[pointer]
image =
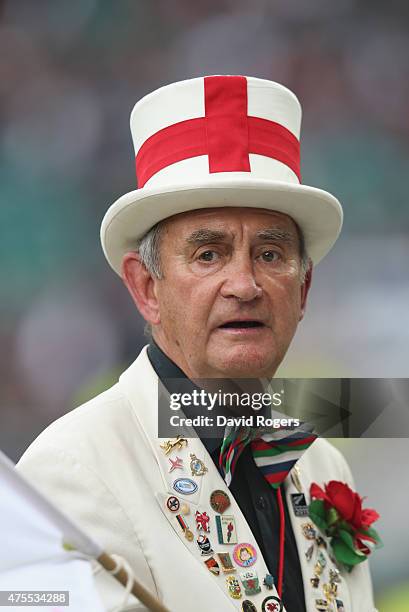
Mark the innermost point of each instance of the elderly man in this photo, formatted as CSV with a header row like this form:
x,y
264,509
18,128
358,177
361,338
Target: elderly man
x,y
216,248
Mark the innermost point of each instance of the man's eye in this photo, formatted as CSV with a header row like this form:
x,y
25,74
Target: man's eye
x,y
270,256
208,256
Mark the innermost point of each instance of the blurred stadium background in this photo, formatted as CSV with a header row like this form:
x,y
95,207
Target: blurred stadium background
x,y
70,73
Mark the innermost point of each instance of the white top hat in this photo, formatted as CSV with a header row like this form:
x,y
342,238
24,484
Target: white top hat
x,y
218,141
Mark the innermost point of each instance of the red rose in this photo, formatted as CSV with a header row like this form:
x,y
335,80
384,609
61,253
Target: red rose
x,y
347,503
369,516
337,511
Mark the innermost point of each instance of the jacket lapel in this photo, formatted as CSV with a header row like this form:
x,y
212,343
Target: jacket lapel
x,y
308,550
146,395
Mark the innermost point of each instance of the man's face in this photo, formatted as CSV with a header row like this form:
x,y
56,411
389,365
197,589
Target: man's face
x,y
231,295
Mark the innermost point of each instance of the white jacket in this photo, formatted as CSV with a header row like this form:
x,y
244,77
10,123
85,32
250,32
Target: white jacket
x,y
103,465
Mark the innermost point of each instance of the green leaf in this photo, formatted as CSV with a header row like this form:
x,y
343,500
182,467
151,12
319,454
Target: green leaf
x,y
344,554
346,537
317,513
332,516
372,533
346,527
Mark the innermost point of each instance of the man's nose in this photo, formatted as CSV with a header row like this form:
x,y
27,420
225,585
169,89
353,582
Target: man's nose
x,y
240,282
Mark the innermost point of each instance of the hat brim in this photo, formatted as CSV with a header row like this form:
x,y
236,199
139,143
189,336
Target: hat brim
x,y
317,212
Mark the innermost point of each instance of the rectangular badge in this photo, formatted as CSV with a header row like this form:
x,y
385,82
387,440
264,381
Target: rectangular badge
x,y
299,504
226,530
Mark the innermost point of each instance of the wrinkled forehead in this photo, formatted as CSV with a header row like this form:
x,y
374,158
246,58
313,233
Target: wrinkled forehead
x,y
230,220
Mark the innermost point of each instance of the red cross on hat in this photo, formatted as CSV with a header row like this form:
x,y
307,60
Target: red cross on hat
x,y
218,141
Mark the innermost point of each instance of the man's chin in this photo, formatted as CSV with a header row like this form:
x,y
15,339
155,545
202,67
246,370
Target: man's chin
x,y
245,361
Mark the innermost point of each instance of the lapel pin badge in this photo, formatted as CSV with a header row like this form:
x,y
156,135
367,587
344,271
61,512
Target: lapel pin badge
x,y
321,542
318,569
309,531
204,545
226,562
173,444
330,590
308,552
226,529
269,582
248,606
233,587
299,504
188,534
202,521
245,555
334,575
185,509
176,464
212,566
186,486
272,604
295,478
250,582
321,605
197,467
321,560
219,501
173,504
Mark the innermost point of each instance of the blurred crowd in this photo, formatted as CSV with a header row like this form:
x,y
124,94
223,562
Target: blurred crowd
x,y
70,73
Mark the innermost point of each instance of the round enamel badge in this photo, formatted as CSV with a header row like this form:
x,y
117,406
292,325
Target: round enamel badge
x,y
219,501
244,555
271,604
172,503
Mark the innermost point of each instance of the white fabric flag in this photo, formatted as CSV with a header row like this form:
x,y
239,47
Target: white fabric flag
x,y
33,557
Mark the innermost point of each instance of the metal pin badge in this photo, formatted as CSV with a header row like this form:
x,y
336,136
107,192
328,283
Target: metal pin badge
x,y
272,604
173,504
219,501
269,582
176,464
233,587
295,478
197,467
204,545
174,443
188,534
250,582
226,562
212,566
308,552
202,521
309,531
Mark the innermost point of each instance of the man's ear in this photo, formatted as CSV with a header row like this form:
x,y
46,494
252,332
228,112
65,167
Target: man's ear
x,y
141,285
305,287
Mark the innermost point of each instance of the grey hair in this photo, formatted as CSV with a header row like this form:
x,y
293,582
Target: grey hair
x,y
148,248
306,261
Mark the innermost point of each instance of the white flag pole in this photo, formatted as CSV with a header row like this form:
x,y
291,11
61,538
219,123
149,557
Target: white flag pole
x,y
74,536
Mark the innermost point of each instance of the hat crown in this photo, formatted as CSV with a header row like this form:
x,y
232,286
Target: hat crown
x,y
215,125
218,141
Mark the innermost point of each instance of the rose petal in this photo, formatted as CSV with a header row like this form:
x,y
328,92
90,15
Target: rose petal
x,y
317,493
362,547
356,518
342,498
369,516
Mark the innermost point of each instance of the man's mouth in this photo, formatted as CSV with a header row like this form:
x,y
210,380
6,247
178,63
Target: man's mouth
x,y
241,325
